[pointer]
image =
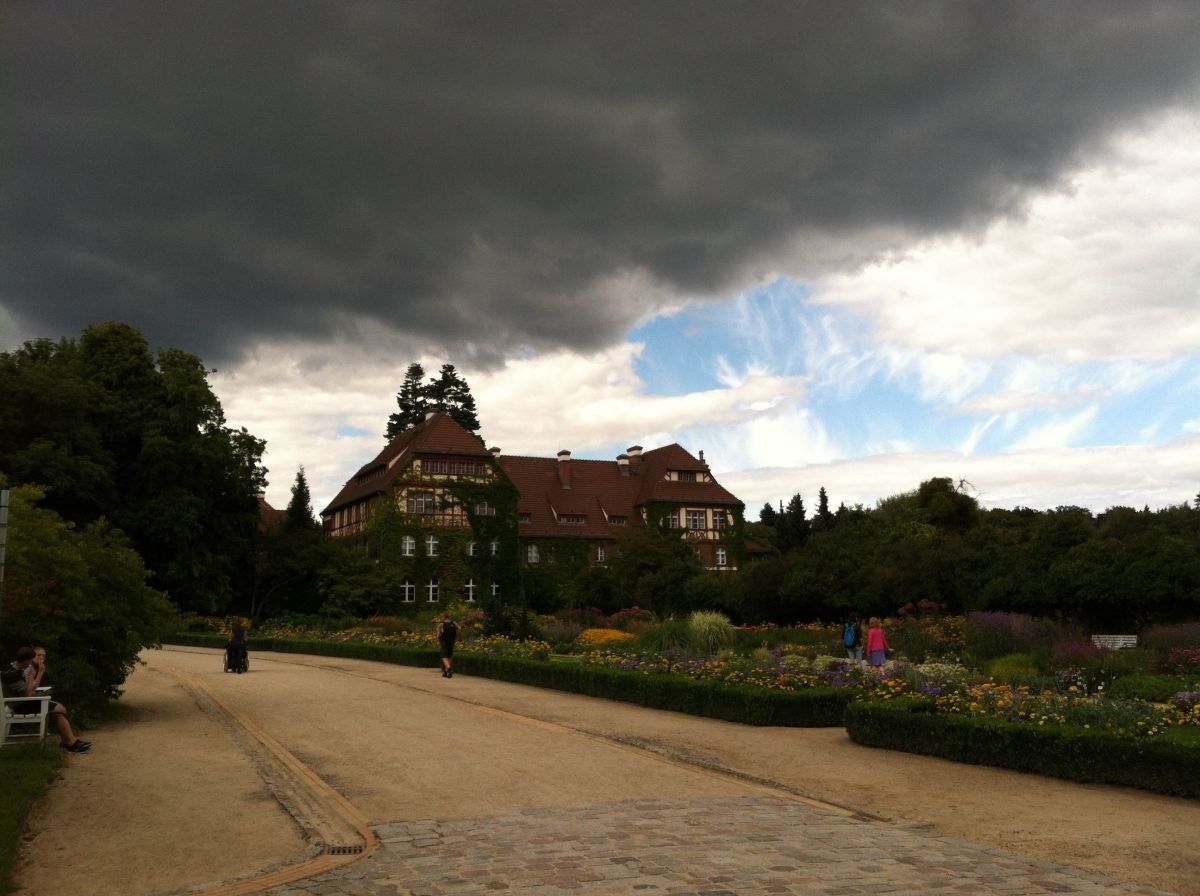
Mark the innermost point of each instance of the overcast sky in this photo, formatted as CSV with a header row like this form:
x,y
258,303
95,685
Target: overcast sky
x,y
830,244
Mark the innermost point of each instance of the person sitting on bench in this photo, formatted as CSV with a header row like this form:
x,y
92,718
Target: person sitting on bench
x,y
17,684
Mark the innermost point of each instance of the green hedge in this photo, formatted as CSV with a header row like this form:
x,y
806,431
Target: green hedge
x,y
810,708
1163,765
1155,688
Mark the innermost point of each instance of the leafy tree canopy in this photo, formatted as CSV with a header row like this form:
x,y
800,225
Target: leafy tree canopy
x,y
114,431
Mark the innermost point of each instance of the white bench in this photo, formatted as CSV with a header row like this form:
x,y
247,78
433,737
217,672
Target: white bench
x,y
1115,642
25,719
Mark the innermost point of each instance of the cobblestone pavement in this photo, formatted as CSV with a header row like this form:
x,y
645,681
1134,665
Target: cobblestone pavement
x,y
716,846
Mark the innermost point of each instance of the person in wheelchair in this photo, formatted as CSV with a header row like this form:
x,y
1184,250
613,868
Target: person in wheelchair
x,y
237,658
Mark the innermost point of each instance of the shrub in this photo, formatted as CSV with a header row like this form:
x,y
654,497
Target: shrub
x,y
1013,667
1155,688
1167,764
710,631
1179,661
631,619
925,638
562,633
990,636
1164,637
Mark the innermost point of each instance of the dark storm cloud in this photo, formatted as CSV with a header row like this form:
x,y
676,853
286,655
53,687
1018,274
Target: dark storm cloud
x,y
523,174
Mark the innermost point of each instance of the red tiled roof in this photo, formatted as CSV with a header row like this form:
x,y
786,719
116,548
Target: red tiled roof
x,y
436,434
598,487
269,519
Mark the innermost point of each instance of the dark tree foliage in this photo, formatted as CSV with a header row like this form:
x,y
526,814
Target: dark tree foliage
x,y
300,516
115,432
824,519
792,526
1117,572
448,393
80,592
767,515
412,401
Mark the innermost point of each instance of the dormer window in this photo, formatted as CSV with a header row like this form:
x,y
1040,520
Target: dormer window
x,y
524,518
618,521
686,475
572,520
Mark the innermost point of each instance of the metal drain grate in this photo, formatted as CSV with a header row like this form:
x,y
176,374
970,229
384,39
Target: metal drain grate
x,y
343,850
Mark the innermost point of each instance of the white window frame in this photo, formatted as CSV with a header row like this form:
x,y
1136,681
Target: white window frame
x,y
422,502
495,547
431,590
408,592
722,558
472,549
469,591
693,516
431,545
600,553
719,519
532,554
495,589
408,546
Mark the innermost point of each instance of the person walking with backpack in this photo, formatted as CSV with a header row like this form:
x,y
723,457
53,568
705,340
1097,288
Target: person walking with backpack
x,y
877,645
852,640
447,635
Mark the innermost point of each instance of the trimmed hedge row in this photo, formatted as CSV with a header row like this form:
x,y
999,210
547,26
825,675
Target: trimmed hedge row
x,y
813,708
910,724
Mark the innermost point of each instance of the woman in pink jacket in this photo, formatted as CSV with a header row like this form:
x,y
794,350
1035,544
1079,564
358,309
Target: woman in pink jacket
x,y
877,645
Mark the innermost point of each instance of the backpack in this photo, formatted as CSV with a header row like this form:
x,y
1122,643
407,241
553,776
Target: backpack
x,y
449,631
850,634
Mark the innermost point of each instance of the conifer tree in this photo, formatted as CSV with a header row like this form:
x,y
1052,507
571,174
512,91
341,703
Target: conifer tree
x,y
767,514
450,394
412,401
300,516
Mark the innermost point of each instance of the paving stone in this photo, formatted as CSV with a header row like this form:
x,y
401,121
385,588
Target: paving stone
x,y
743,846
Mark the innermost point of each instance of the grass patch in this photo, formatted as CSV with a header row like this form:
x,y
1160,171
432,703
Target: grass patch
x,y
26,771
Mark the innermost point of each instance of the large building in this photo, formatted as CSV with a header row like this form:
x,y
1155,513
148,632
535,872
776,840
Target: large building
x,y
463,518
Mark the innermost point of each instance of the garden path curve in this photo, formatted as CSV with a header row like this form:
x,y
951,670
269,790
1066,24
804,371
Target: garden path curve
x,y
332,776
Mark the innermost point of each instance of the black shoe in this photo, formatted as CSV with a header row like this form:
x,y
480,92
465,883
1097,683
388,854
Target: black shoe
x,y
80,746
449,673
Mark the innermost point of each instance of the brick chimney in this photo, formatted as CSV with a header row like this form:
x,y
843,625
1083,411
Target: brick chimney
x,y
495,452
623,464
635,457
564,468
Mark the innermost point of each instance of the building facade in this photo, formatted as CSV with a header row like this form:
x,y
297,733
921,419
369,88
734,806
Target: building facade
x,y
455,519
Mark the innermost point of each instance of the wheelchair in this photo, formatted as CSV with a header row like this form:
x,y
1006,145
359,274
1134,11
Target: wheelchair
x,y
237,658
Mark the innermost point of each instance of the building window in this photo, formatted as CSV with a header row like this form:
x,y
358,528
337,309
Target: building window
x,y
420,502
472,549
469,590
431,545
696,551
572,520
672,520
532,554
432,591
408,592
408,546
495,547
721,558
600,553
618,520
495,589
697,519
524,518
718,519
483,508
687,475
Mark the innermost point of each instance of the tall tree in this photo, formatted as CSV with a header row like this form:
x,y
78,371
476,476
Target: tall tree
x,y
412,401
450,394
824,518
300,516
767,514
141,440
793,526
